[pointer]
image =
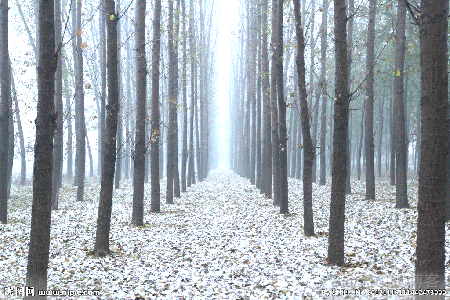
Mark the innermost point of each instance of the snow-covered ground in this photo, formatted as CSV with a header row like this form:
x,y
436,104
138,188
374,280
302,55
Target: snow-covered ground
x,y
221,240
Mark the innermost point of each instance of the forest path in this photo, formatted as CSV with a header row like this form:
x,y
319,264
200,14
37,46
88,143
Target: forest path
x,y
221,240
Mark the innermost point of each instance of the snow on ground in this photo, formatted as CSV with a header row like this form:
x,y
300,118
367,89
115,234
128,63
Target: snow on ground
x,y
221,240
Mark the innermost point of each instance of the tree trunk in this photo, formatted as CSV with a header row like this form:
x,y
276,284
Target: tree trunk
x,y
191,168
267,128
23,160
155,130
101,247
369,144
80,123
401,198
308,219
430,263
323,89
380,138
38,252
5,76
120,144
137,218
185,108
102,119
339,170
58,139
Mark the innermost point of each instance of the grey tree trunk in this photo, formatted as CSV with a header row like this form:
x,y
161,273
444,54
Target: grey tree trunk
x,y
137,218
401,198
430,249
101,247
38,252
339,169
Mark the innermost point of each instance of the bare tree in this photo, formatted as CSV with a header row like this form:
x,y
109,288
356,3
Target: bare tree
x,y
401,199
38,253
141,89
155,130
101,247
433,171
4,110
339,170
307,141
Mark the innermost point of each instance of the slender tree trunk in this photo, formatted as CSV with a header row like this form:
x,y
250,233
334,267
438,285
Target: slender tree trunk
x,y
323,89
185,108
308,219
361,131
137,218
401,198
4,110
155,129
392,160
80,123
369,144
38,252
284,207
191,168
101,247
58,139
351,11
23,160
258,99
267,132
102,119
120,144
380,138
274,109
339,170
430,249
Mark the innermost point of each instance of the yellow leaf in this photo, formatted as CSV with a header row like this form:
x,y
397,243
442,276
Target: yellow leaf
x,y
111,17
83,45
80,31
398,73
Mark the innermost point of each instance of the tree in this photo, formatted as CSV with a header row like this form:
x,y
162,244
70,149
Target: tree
x,y
185,108
369,144
58,139
38,253
101,247
307,141
283,183
430,263
339,168
155,130
4,110
323,89
267,128
141,89
191,164
401,199
80,123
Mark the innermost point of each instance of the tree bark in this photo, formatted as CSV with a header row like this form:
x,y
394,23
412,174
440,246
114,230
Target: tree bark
x,y
267,127
58,139
80,123
430,263
339,169
5,77
155,130
308,219
369,144
101,247
137,218
323,89
401,198
38,253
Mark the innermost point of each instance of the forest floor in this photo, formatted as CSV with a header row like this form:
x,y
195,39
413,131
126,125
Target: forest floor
x,y
221,240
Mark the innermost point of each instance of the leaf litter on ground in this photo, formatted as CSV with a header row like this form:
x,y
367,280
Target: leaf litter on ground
x,y
221,240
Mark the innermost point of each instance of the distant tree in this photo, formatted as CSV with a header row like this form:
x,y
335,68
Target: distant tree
x,y
191,165
101,247
120,143
38,252
23,161
155,128
339,170
80,123
141,89
430,263
369,144
185,107
307,141
58,139
323,92
102,118
401,198
4,110
267,128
